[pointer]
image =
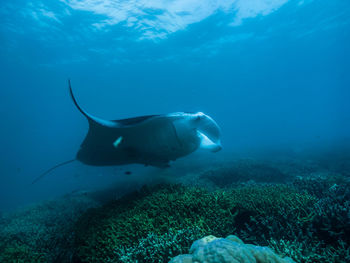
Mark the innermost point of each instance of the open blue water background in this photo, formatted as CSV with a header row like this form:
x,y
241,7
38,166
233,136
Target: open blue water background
x,y
273,74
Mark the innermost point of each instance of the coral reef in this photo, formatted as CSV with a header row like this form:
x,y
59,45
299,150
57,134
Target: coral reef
x,y
158,248
243,171
151,210
127,222
43,232
322,236
304,216
226,250
21,253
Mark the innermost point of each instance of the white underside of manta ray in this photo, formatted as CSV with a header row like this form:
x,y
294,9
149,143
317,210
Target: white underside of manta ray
x,y
153,140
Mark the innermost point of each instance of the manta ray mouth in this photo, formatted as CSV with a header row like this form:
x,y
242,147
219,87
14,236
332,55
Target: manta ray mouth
x,y
209,133
208,144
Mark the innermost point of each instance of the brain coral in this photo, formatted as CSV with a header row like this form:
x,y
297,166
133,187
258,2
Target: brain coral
x,y
228,250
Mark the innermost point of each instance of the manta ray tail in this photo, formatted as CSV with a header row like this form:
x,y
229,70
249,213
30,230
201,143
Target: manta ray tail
x,y
51,169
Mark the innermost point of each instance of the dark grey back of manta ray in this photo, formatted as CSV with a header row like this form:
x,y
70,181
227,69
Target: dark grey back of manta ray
x,y
149,140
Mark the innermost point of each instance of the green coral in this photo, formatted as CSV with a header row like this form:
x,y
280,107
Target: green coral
x,y
270,200
323,236
42,232
229,174
155,210
312,251
307,219
158,248
152,210
16,252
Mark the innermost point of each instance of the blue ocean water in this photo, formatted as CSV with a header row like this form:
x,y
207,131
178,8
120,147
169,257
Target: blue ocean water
x,y
273,74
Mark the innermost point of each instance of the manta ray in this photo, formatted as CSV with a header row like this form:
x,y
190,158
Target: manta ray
x,y
152,140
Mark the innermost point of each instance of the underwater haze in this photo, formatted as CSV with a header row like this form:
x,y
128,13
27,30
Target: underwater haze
x,y
273,74
230,140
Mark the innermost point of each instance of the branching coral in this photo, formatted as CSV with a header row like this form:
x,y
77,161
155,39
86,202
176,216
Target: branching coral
x,y
323,236
159,248
307,220
42,232
153,211
243,171
20,253
311,251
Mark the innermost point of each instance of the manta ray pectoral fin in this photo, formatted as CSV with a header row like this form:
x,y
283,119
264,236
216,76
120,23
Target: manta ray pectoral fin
x,y
91,118
117,141
206,143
